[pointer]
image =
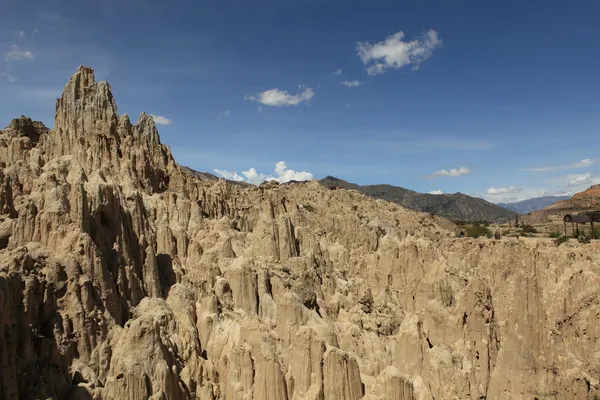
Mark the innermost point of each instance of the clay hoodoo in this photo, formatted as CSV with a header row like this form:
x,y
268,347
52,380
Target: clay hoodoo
x,y
126,276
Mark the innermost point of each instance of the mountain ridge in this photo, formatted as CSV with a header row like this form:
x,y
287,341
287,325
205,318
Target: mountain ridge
x,y
457,206
533,204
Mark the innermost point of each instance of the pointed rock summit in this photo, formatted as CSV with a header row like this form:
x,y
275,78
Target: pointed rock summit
x,y
126,276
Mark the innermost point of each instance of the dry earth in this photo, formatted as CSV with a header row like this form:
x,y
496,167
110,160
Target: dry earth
x,y
125,276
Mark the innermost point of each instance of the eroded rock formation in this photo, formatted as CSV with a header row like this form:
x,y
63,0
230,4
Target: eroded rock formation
x,y
126,276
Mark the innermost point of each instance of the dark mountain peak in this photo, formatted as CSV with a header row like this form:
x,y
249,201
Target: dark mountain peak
x,y
457,206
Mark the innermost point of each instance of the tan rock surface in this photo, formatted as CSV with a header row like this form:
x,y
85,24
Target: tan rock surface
x,y
126,276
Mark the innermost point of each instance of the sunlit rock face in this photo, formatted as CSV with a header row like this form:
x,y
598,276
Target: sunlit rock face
x,y
126,276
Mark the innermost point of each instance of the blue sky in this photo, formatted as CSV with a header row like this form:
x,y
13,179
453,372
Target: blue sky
x,y
500,100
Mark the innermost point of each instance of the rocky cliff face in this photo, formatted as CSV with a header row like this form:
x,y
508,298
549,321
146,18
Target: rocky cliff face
x,y
125,276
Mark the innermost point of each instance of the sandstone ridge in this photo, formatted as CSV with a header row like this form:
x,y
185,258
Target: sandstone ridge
x,y
126,276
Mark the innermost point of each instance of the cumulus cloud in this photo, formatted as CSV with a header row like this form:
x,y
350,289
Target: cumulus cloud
x,y
574,180
160,120
351,83
281,98
8,77
285,175
281,174
492,191
395,53
565,185
20,34
436,192
337,72
232,176
18,54
587,162
453,172
223,114
255,178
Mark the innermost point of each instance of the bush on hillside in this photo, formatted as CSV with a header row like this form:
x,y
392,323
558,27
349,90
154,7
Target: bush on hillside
x,y
560,240
528,229
555,235
477,230
584,239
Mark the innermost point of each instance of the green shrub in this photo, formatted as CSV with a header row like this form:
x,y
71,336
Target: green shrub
x,y
477,230
555,235
584,239
489,235
558,241
528,229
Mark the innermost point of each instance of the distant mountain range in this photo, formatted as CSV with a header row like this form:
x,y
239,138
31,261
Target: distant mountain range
x,y
457,206
534,204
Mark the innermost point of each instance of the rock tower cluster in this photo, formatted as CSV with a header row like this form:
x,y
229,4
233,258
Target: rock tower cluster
x,y
125,276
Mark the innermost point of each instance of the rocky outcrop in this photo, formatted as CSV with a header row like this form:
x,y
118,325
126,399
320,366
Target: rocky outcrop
x,y
126,276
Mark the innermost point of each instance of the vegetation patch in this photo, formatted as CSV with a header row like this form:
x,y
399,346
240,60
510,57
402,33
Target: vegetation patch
x,y
584,239
477,230
528,229
562,239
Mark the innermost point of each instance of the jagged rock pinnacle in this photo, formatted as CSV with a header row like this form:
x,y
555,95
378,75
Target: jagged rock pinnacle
x,y
123,276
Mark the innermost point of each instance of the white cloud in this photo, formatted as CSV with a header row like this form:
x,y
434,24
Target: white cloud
x,y
351,83
588,162
8,77
394,53
574,180
223,114
583,163
281,174
281,98
285,175
256,178
18,54
436,192
453,172
566,185
337,72
160,120
232,176
512,194
20,34
492,191
348,105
